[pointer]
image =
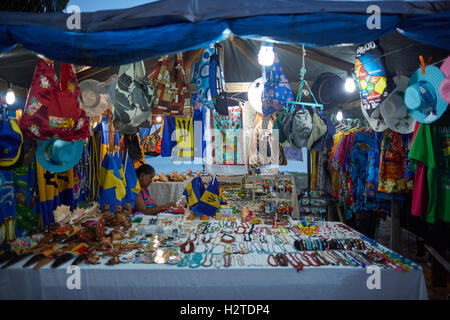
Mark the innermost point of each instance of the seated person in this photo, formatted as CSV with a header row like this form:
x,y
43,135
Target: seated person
x,y
144,203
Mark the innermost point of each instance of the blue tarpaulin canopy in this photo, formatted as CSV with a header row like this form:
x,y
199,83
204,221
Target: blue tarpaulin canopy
x,y
114,37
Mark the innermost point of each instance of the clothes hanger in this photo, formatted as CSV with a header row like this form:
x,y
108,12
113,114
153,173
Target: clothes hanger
x,y
298,100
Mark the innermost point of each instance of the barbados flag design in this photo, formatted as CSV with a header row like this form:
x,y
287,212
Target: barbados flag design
x,y
54,189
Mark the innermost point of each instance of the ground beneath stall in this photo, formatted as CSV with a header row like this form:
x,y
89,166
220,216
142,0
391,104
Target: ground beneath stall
x,y
409,250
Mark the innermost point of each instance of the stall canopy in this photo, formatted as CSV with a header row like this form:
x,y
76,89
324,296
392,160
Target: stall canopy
x,y
114,37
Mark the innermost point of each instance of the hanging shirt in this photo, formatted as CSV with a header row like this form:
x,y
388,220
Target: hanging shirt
x,y
431,146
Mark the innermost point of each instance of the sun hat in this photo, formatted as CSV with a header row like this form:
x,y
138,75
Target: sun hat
x,y
445,85
11,140
394,111
58,155
376,120
422,96
319,128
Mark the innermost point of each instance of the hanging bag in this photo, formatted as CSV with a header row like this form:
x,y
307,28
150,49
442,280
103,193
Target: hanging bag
x,y
216,82
200,76
152,143
173,97
52,109
277,91
133,99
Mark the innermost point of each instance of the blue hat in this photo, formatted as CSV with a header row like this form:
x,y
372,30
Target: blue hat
x,y
11,140
59,155
422,96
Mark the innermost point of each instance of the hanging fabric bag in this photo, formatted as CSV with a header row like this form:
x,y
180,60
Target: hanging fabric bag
x,y
52,109
133,99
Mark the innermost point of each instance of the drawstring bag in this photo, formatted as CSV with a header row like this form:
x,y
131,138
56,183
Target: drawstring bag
x,y
277,92
173,97
200,76
217,83
152,143
133,99
52,109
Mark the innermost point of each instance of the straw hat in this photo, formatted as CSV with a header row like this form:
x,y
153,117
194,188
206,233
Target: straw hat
x,y
394,111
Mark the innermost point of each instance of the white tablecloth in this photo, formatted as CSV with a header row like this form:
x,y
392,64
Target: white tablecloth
x,y
164,192
139,281
153,281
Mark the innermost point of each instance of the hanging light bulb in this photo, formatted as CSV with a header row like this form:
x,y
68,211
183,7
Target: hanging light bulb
x,y
350,83
158,119
10,95
255,94
266,56
339,116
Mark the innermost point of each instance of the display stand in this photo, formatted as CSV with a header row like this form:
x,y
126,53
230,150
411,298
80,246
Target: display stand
x,y
277,178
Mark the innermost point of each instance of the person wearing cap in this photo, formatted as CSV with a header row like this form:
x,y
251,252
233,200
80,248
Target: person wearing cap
x,y
144,203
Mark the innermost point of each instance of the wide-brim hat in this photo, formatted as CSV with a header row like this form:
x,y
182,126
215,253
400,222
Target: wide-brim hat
x,y
394,111
11,140
423,98
445,85
375,120
95,98
59,155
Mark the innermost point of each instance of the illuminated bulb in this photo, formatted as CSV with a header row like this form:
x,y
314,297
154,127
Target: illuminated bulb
x,y
10,96
255,94
159,258
350,84
339,116
158,119
266,56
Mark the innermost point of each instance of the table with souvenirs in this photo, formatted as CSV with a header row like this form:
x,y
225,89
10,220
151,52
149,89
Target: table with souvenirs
x,y
251,249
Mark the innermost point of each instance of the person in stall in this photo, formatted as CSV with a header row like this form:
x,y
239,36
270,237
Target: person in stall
x,y
144,203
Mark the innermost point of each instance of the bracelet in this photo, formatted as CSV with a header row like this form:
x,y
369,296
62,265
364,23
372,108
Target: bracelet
x,y
282,261
294,262
189,243
232,239
206,241
183,262
274,259
227,260
196,260
217,261
204,264
238,228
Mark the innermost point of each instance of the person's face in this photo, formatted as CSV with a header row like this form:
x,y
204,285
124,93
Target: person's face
x,y
145,180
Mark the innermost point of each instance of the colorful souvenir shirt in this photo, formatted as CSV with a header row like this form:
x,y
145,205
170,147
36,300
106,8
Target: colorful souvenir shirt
x,y
431,146
392,171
